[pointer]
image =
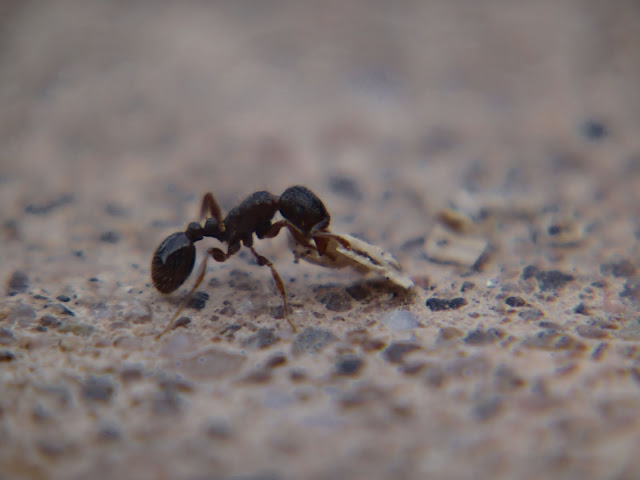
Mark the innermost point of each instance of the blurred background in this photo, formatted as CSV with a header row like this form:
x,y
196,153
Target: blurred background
x,y
110,98
117,116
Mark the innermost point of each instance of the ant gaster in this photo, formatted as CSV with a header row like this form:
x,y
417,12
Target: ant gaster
x,y
304,215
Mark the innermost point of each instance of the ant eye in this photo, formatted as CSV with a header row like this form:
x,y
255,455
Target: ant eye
x,y
172,262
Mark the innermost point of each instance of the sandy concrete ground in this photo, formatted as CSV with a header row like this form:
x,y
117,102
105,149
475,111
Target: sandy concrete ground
x,y
518,119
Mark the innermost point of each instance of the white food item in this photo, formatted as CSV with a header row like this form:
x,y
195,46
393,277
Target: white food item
x,y
348,251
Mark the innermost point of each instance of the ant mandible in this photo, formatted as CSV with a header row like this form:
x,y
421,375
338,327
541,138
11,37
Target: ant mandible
x,y
304,215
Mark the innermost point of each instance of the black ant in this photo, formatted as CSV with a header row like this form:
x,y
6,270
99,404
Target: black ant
x,y
304,215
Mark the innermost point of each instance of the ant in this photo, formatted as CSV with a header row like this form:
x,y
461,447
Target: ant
x,y
304,215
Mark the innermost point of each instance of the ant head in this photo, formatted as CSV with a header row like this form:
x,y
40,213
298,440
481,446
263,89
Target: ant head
x,y
304,209
173,261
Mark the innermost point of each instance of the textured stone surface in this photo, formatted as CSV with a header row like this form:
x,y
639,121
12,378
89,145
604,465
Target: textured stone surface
x,y
115,119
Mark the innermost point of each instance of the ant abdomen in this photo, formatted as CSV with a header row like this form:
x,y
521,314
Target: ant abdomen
x,y
172,262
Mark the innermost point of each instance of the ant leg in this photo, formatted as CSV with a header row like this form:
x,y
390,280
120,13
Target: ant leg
x,y
275,230
210,205
264,261
201,272
321,242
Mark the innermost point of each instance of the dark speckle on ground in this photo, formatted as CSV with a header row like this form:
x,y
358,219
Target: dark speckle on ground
x,y
110,236
483,337
22,314
346,187
553,280
278,359
18,283
334,301
98,389
7,356
487,408
312,340
581,309
531,314
198,300
618,268
632,289
6,336
263,338
528,272
594,130
48,207
439,304
348,365
449,333
49,321
358,292
467,286
506,379
515,302
396,352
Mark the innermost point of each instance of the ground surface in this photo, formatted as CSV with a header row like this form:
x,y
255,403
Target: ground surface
x,y
117,116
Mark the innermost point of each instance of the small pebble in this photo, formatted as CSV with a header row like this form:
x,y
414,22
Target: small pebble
x,y
529,271
345,186
218,428
336,301
64,310
116,210
439,304
18,283
550,326
348,365
588,331
399,320
263,338
77,328
198,300
619,268
276,360
22,314
98,389
448,333
138,312
395,352
110,236
486,409
553,280
467,286
63,298
631,289
358,292
507,379
483,337
46,208
312,340
6,336
515,302
531,314
7,356
109,432
49,321
181,322
594,130
581,309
